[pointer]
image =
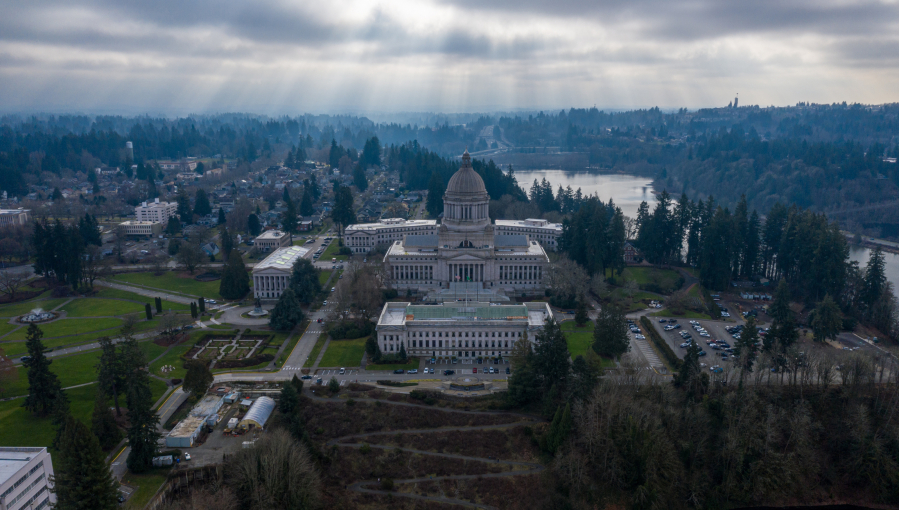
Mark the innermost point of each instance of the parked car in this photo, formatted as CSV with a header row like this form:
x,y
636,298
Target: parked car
x,y
399,371
508,371
413,371
342,371
449,372
306,377
474,370
662,321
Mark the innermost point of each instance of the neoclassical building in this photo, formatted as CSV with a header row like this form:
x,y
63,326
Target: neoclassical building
x,y
272,276
467,247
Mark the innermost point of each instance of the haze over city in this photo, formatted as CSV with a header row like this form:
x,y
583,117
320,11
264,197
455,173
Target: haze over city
x,y
274,57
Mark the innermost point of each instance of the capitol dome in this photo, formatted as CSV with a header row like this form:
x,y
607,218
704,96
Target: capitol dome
x,y
466,181
466,203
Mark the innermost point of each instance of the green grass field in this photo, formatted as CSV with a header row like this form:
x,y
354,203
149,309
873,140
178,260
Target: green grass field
x,y
173,282
93,307
106,292
331,252
6,327
665,281
71,371
66,327
18,427
578,339
344,353
316,349
147,484
173,358
323,276
17,309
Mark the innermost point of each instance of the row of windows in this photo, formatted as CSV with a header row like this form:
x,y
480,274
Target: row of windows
x,y
480,334
26,490
439,343
21,480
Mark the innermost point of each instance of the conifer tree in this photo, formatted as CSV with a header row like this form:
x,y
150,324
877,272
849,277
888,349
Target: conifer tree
x,y
253,225
82,478
109,372
235,282
580,314
201,305
287,313
289,220
103,423
43,385
201,204
143,437
148,311
198,378
306,208
158,304
610,332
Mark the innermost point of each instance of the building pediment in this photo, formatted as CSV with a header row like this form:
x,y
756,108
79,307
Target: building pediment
x,y
465,258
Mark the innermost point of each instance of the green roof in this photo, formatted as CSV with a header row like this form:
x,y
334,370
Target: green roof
x,y
481,312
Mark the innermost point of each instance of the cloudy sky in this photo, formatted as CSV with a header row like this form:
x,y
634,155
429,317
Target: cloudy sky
x,y
271,56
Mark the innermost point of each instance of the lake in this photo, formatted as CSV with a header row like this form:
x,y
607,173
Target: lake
x,y
626,190
891,260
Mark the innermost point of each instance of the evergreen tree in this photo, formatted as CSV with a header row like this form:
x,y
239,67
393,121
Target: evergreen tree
x,y
289,402
746,347
184,211
403,356
306,208
43,385
110,375
584,377
827,321
875,278
343,212
148,311
289,220
235,281
201,305
143,436
193,310
287,313
253,225
82,479
783,332
335,154
173,227
436,190
610,332
689,369
103,423
359,179
201,203
227,242
222,219
158,304
304,280
198,378
580,314
551,356
373,349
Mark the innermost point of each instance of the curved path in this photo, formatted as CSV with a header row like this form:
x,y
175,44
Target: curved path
x,y
363,486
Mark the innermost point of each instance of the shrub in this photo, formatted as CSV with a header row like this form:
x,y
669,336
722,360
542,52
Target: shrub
x,y
365,449
176,382
396,384
387,484
351,329
663,347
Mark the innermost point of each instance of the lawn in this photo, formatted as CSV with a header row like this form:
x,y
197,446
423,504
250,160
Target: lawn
x,y
93,307
71,371
316,349
663,281
173,358
106,292
17,309
412,363
578,339
323,275
331,252
344,353
151,350
67,327
147,484
173,282
6,327
18,427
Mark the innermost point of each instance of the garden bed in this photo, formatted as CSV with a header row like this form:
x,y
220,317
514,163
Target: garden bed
x,y
243,363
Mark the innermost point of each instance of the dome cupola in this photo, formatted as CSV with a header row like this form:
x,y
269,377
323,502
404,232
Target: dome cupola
x,y
466,202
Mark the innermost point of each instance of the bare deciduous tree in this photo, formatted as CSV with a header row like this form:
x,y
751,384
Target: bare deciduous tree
x,y
11,282
275,473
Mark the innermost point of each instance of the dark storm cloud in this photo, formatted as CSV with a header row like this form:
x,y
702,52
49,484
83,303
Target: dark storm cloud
x,y
700,19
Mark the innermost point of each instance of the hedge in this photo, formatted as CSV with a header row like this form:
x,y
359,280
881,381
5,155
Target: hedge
x,y
396,383
660,342
714,309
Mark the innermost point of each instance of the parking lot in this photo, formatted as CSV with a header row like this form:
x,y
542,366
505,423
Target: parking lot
x,y
715,330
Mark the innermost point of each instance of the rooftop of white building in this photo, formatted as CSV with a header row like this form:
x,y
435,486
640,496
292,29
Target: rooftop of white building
x,y
271,234
398,314
530,222
391,222
13,458
282,258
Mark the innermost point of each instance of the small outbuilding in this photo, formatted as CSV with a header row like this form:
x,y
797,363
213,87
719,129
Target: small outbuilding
x,y
258,414
185,434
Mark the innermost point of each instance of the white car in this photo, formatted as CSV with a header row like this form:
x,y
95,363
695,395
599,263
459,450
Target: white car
x,y
413,371
640,337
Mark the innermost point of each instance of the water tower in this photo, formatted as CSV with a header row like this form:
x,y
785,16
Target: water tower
x,y
129,151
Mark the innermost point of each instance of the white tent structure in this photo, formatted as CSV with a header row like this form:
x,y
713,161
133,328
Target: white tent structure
x,y
258,414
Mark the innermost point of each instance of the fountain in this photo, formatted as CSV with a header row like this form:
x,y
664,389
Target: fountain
x,y
258,311
37,315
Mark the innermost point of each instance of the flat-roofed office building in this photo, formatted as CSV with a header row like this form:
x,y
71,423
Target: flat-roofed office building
x,y
25,475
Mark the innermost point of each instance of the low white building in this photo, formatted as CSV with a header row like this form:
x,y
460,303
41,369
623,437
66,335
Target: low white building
x,y
156,211
14,216
461,330
363,237
272,240
25,475
142,228
272,275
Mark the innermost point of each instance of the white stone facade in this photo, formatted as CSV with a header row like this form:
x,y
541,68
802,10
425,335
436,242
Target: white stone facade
x,y
25,478
272,276
158,212
363,237
460,330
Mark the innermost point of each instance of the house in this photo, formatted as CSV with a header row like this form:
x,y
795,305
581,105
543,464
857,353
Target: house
x,y
631,254
211,249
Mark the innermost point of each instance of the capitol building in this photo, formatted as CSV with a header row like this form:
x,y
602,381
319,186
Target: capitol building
x,y
466,248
